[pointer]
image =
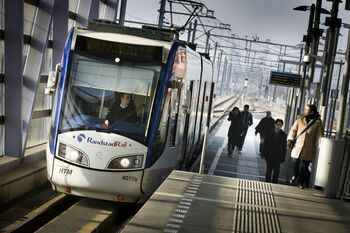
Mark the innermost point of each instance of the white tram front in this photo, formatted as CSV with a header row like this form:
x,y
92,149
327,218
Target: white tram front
x,y
171,90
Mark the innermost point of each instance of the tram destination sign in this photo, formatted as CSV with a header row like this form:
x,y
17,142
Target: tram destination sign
x,y
285,79
130,52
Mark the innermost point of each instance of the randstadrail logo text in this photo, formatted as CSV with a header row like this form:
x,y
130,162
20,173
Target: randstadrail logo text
x,y
81,137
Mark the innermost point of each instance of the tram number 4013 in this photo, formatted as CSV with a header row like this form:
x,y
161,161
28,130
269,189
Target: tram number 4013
x,y
129,178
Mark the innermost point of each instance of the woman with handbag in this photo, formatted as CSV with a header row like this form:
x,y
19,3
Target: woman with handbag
x,y
303,140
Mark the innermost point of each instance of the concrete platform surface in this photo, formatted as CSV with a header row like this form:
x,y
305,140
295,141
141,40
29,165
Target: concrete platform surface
x,y
189,202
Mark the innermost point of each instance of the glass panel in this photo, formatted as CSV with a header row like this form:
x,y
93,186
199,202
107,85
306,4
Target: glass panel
x,y
2,127
2,139
39,128
2,98
47,60
96,87
73,5
317,75
2,12
2,62
42,101
337,76
29,17
51,32
38,131
101,9
25,53
121,78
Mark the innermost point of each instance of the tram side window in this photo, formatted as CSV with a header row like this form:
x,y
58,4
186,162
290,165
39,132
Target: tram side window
x,y
162,130
179,73
174,116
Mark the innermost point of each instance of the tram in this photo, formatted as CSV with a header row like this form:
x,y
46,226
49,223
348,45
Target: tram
x,y
170,87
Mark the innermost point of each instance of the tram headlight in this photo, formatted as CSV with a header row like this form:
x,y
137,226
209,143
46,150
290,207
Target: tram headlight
x,y
72,154
126,162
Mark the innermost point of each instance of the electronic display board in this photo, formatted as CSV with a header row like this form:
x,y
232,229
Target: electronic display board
x,y
285,79
126,52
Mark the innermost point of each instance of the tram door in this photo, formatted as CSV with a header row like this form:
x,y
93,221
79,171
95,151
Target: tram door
x,y
175,125
187,113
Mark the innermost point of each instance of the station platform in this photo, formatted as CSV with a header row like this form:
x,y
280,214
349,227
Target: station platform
x,y
231,196
189,202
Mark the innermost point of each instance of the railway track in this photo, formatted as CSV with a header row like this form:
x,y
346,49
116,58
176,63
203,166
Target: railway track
x,y
222,106
41,215
65,213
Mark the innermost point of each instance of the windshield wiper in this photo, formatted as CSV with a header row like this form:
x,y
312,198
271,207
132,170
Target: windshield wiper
x,y
79,128
108,129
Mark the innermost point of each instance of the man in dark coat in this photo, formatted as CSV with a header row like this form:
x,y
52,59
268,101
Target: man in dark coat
x,y
235,131
266,125
122,110
274,151
247,120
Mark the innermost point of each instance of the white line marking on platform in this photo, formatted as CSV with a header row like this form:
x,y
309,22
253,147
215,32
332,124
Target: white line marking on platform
x,y
216,159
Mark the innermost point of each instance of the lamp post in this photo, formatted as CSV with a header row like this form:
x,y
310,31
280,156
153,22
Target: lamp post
x,y
311,46
316,34
161,13
307,39
332,39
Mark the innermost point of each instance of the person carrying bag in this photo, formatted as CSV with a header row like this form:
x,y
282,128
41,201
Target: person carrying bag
x,y
303,140
291,142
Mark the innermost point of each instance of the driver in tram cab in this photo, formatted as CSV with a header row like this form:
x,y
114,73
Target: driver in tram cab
x,y
121,110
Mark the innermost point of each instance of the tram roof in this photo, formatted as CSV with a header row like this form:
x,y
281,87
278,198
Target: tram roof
x,y
116,33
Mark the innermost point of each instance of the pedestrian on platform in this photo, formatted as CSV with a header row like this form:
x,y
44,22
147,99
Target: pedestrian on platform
x,y
265,126
274,150
247,120
235,131
303,140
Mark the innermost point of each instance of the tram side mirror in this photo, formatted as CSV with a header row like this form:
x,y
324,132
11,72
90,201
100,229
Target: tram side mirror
x,y
52,80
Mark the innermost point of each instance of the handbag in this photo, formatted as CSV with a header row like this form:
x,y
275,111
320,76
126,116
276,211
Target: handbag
x,y
294,140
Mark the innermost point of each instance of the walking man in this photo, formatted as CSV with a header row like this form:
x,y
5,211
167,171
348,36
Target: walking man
x,y
274,151
247,120
265,126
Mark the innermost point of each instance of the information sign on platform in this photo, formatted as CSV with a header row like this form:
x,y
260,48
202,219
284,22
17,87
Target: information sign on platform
x,y
285,79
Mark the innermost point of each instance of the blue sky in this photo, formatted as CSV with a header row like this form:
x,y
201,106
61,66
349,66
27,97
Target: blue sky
x,y
268,19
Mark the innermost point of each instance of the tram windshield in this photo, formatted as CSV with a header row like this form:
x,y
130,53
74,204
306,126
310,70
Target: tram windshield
x,y
95,90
